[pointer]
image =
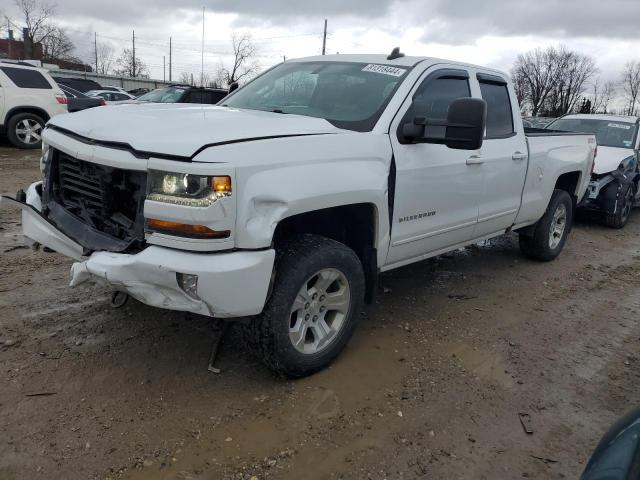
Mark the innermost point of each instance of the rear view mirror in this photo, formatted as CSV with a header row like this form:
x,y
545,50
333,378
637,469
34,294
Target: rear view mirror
x,y
466,123
234,86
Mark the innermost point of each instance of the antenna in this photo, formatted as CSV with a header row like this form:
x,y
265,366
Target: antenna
x,y
395,53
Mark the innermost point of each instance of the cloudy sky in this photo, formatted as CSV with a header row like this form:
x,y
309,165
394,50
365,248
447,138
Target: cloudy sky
x,y
491,32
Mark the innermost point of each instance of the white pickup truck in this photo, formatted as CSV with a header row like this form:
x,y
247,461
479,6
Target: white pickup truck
x,y
284,204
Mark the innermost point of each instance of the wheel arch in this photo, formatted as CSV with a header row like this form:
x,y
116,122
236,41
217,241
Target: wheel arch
x,y
355,225
26,109
569,182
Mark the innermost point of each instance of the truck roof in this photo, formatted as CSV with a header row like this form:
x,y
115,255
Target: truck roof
x,y
406,61
605,116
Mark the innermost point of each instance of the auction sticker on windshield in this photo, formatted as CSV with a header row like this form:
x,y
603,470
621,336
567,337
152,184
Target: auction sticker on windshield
x,y
385,70
618,125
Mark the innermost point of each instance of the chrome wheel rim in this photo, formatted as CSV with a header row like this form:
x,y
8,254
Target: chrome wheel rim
x,y
29,131
628,204
558,226
319,311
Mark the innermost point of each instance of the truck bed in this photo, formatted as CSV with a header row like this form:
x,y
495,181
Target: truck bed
x,y
557,152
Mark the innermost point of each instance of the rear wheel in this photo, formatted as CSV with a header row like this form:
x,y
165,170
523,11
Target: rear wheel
x,y
624,205
24,130
313,308
551,231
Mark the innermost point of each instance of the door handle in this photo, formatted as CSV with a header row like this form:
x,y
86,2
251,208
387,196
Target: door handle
x,y
475,160
518,156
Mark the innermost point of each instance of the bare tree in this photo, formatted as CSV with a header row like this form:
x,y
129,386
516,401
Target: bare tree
x,y
536,72
572,72
631,85
602,94
4,20
105,57
57,45
244,62
186,78
126,66
37,16
551,81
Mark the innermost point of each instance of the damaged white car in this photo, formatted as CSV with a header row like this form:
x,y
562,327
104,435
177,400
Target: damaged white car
x,y
613,189
284,204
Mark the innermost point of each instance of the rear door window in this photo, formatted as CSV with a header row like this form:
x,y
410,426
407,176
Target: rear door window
x,y
499,114
25,78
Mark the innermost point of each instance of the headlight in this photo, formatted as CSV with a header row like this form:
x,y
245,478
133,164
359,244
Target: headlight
x,y
187,189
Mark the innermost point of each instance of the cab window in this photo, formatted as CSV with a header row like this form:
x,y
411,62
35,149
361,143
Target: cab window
x,y
499,114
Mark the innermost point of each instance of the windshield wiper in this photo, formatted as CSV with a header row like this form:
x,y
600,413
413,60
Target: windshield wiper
x,y
277,110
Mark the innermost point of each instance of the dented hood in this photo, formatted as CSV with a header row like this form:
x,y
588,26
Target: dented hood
x,y
609,158
182,129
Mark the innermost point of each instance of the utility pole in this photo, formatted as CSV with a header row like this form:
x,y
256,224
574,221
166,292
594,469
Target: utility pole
x,y
133,37
95,48
324,38
164,69
9,37
169,59
202,53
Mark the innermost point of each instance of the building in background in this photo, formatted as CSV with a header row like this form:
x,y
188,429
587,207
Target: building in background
x,y
13,49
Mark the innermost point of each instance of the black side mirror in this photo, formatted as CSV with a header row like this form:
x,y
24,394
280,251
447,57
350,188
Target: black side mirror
x,y
464,127
466,123
234,86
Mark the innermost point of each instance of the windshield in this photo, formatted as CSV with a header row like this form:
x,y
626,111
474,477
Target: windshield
x,y
608,133
163,95
349,95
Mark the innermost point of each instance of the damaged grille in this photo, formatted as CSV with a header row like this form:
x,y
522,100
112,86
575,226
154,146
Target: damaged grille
x,y
109,201
78,186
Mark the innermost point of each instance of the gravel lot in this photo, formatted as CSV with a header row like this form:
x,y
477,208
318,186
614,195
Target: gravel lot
x,y
431,386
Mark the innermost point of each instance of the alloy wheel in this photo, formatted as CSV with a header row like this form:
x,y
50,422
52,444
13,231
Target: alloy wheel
x,y
319,311
558,226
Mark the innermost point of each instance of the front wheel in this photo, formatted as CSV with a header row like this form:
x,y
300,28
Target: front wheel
x,y
551,232
624,204
313,308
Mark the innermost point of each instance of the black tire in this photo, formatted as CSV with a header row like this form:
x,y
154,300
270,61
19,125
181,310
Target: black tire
x,y
15,123
624,203
538,246
297,262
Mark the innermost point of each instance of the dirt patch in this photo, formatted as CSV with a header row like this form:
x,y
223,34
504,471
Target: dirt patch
x,y
431,386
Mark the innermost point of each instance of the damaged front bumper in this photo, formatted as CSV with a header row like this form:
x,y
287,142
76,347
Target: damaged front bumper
x,y
599,197
228,284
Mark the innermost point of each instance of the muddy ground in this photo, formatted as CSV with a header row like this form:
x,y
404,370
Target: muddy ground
x,y
431,386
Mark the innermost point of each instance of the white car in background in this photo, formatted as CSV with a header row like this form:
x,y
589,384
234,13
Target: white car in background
x,y
613,189
111,97
29,97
